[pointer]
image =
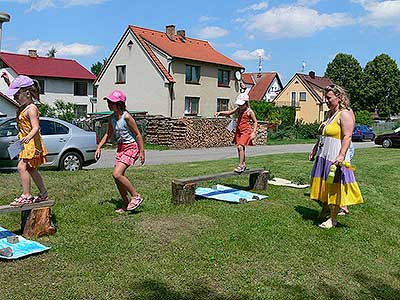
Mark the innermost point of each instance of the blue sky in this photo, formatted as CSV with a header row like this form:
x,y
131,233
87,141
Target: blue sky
x,y
284,33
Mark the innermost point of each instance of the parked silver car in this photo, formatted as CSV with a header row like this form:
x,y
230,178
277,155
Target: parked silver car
x,y
70,148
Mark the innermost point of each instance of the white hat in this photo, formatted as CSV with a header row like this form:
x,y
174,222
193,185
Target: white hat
x,y
242,98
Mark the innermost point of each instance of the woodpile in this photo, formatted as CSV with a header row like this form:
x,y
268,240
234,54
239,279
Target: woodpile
x,y
194,132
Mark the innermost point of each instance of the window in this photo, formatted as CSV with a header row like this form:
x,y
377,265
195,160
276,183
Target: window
x,y
121,74
41,84
191,105
192,74
80,110
223,78
80,88
50,128
9,128
222,104
293,102
303,96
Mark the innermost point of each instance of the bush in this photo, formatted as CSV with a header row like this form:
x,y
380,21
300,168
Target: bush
x,y
364,117
62,110
267,111
299,130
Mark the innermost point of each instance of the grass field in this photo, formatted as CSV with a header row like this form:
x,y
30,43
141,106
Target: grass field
x,y
271,249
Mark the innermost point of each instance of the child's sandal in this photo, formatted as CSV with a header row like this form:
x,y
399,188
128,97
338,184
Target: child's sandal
x,y
41,197
240,169
22,200
135,202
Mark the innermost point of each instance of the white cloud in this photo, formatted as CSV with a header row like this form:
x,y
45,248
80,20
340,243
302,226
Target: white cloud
x,y
41,4
82,2
212,32
295,21
253,7
251,55
70,50
207,18
307,2
380,14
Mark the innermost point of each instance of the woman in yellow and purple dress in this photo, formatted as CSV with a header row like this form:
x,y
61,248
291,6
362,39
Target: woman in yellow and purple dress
x,y
25,90
332,148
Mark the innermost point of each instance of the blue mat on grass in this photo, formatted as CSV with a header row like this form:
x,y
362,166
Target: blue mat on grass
x,y
23,248
228,194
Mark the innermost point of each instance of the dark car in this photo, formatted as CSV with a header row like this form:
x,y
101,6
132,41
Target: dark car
x,y
362,133
389,139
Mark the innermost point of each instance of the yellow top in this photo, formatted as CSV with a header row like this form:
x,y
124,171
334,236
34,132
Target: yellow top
x,y
333,129
34,150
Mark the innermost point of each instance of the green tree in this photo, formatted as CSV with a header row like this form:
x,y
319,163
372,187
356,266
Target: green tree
x,y
381,82
346,71
46,110
65,110
52,52
96,68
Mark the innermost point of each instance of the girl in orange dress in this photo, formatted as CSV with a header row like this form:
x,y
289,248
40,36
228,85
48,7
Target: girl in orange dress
x,y
244,134
24,90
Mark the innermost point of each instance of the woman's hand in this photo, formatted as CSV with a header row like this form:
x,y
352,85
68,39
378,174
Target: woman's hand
x,y
339,159
97,154
252,136
311,156
25,140
216,114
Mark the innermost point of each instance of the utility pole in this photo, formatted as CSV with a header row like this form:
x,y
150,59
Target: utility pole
x,y
3,18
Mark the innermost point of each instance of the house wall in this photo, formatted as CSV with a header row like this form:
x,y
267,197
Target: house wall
x,y
145,87
273,90
207,89
309,110
7,108
56,89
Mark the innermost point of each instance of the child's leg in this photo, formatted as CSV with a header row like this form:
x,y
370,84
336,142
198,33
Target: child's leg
x,y
241,154
37,178
120,179
25,177
123,192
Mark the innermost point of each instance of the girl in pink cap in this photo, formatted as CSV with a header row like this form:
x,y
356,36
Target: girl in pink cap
x,y
244,135
130,148
23,89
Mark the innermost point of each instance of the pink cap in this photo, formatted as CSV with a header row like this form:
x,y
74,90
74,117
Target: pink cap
x,y
19,82
116,96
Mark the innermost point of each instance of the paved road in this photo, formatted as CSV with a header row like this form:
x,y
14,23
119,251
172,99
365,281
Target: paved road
x,y
155,157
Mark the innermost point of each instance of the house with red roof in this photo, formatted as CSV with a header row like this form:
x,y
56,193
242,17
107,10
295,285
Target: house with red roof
x,y
59,79
262,86
306,93
167,73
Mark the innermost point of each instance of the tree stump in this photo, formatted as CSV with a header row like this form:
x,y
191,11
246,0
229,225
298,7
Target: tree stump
x,y
37,222
183,193
259,181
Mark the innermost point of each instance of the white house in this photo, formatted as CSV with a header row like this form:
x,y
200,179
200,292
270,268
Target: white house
x,y
59,79
262,86
167,73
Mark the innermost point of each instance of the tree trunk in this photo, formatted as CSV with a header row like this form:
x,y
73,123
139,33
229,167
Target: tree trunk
x,y
37,222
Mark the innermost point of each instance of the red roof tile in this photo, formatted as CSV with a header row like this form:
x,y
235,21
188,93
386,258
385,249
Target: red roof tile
x,y
248,78
46,66
187,48
262,83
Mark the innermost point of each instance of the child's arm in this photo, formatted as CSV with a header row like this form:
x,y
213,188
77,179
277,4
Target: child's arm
x,y
105,138
226,112
255,124
133,127
33,115
6,79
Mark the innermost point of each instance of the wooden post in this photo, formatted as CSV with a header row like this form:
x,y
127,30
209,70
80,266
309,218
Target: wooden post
x,y
259,181
183,193
37,222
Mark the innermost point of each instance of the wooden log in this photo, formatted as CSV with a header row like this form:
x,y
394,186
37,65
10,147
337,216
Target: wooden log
x,y
37,222
259,181
183,193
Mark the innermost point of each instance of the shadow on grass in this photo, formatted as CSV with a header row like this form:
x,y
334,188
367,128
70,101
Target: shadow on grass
x,y
376,288
311,214
155,290
118,204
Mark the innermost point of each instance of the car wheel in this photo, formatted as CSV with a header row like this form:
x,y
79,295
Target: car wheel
x,y
373,138
387,143
71,161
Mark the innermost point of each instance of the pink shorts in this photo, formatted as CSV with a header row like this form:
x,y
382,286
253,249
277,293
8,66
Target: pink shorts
x,y
127,153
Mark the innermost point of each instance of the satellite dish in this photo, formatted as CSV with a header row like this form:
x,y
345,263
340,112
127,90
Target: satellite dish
x,y
238,75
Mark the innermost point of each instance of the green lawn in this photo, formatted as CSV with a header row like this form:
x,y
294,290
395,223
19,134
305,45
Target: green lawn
x,y
210,250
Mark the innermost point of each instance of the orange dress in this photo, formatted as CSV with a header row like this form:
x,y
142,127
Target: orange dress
x,y
34,151
243,129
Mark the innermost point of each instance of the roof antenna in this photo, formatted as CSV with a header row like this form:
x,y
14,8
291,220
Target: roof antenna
x,y
260,65
303,66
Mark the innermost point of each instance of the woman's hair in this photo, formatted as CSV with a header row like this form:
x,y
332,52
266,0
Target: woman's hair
x,y
341,93
34,90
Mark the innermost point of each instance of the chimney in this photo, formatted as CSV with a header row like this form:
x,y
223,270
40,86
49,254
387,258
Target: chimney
x,y
181,33
170,31
312,74
32,53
